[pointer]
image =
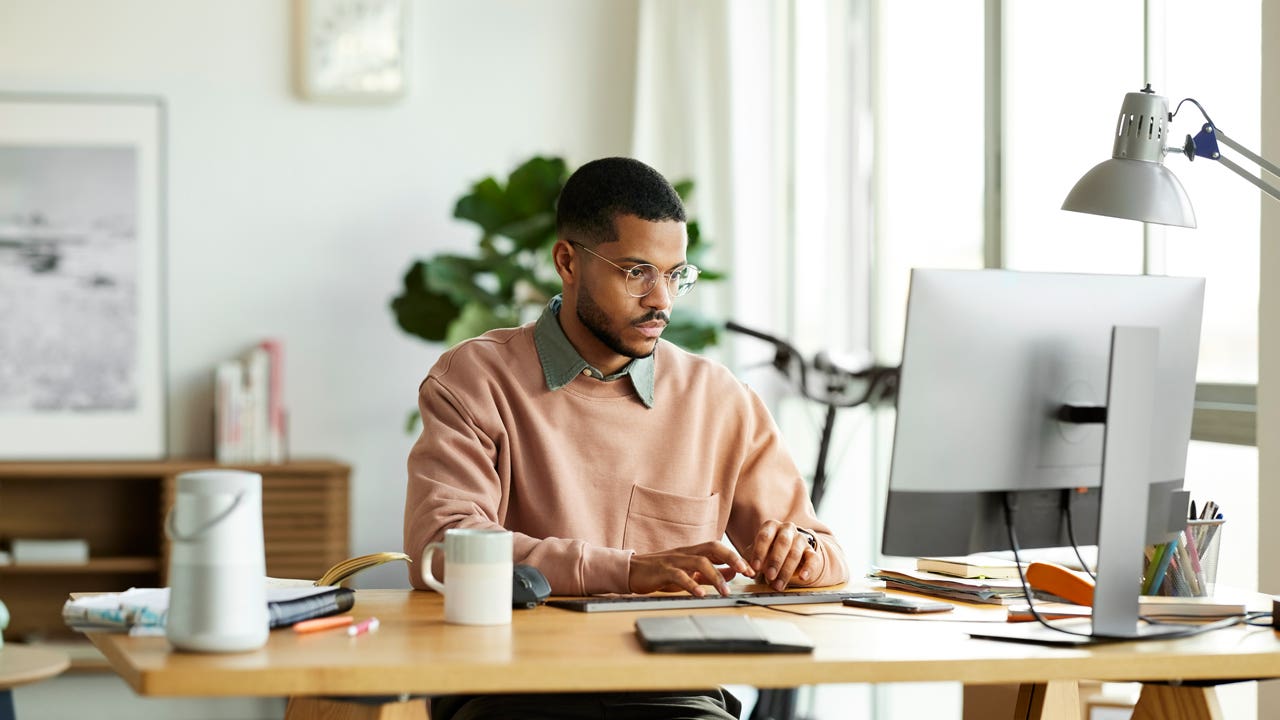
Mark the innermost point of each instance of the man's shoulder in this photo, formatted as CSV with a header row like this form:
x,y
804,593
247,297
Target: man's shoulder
x,y
496,348
692,370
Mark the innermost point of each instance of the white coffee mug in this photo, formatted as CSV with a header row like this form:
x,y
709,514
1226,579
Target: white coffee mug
x,y
477,576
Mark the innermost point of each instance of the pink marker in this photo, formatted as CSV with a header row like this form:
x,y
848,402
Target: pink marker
x,y
365,626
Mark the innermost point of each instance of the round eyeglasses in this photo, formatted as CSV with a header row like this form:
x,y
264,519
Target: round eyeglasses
x,y
643,278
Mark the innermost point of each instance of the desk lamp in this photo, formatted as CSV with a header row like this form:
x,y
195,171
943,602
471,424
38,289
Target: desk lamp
x,y
1135,185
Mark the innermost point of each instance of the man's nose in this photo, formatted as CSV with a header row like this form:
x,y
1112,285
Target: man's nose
x,y
660,296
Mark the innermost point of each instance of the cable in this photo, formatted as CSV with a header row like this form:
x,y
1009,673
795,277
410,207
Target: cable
x,y
1249,619
1026,588
1071,533
1022,576
1193,101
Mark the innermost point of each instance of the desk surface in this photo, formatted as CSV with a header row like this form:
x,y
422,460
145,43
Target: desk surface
x,y
21,665
548,649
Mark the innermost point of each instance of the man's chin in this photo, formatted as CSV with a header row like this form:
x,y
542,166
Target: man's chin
x,y
643,349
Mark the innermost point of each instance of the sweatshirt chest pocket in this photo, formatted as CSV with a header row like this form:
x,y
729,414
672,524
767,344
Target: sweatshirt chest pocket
x,y
658,520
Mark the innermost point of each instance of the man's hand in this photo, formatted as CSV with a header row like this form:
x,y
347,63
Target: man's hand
x,y
780,553
687,568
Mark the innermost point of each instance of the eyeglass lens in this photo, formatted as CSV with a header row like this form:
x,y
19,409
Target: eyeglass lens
x,y
642,279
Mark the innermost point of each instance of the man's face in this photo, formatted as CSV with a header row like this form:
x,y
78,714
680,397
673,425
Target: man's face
x,y
627,327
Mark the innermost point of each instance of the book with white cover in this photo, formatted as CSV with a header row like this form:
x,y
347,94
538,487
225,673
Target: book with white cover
x,y
969,566
1155,607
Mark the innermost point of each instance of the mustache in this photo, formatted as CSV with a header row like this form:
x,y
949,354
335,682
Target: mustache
x,y
651,316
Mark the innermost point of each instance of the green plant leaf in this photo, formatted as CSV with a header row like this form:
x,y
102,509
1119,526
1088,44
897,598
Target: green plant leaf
x,y
691,330
533,187
476,319
684,188
456,276
420,311
531,232
485,206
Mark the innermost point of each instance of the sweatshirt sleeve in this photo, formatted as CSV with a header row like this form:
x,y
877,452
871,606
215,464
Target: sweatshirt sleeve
x,y
454,483
770,487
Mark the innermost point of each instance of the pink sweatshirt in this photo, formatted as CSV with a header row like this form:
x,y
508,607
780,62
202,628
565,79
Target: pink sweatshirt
x,y
587,475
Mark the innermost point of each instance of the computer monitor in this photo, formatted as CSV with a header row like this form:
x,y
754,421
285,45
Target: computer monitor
x,y
1025,385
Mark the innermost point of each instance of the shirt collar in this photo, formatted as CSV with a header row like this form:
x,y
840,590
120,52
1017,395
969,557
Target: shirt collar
x,y
561,363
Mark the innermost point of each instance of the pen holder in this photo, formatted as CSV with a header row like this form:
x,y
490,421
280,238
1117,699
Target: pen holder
x,y
1187,566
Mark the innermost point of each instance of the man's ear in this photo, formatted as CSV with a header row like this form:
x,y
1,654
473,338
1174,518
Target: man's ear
x,y
565,261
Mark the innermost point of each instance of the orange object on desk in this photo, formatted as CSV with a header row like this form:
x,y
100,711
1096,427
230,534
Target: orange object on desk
x,y
1060,581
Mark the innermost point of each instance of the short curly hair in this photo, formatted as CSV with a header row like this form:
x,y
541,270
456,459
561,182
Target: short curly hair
x,y
603,189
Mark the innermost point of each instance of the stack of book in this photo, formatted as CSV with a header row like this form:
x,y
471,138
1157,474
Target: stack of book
x,y
249,415
975,590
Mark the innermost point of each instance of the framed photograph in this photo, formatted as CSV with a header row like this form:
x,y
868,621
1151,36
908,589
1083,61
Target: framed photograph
x,y
82,366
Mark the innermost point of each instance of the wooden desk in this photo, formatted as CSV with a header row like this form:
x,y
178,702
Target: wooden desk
x,y
21,665
551,650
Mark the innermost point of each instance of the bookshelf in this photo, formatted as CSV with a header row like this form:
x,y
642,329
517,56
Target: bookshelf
x,y
119,508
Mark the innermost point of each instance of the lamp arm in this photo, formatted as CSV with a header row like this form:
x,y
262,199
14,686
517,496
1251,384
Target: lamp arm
x,y
1262,185
1254,157
1205,145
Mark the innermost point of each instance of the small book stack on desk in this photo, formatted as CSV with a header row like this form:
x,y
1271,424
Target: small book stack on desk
x,y
991,591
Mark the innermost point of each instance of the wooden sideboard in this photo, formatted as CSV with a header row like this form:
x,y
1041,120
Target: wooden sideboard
x,y
119,508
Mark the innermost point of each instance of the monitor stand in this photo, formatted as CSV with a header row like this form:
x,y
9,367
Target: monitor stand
x,y
1126,481
1070,633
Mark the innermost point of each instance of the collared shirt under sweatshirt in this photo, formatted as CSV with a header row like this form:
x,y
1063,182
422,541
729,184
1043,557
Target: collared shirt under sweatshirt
x,y
584,472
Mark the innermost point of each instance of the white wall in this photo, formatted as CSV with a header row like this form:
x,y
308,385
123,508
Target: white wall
x,y
297,220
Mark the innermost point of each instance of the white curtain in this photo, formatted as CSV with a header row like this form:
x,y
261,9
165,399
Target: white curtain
x,y
681,112
765,105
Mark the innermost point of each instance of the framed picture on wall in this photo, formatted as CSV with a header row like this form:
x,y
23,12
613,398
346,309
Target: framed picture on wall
x,y
82,364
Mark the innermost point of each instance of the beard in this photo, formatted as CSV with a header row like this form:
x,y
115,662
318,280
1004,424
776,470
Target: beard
x,y
594,319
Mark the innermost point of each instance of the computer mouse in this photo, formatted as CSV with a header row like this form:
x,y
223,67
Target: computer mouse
x,y
529,587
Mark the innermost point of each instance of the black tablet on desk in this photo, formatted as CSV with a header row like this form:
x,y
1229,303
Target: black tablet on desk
x,y
720,634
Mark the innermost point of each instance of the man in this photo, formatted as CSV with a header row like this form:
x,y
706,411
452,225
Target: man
x,y
617,460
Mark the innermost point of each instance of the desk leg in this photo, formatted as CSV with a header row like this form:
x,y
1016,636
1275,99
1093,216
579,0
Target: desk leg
x,y
1054,700
1167,702
319,708
6,705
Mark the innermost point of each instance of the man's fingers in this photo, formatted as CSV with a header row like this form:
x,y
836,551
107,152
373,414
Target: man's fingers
x,y
720,554
782,550
760,549
790,564
684,569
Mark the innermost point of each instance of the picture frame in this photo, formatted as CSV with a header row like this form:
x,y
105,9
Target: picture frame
x,y
82,242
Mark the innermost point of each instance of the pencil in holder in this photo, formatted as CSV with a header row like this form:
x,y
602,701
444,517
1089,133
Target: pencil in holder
x,y
1187,566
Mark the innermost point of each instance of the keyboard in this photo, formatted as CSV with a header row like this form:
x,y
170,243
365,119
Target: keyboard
x,y
628,603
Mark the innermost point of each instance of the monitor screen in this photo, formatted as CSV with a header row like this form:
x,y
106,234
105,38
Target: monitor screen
x,y
990,357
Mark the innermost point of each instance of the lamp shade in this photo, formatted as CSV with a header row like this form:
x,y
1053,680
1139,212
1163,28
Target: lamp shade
x,y
1133,190
1134,184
